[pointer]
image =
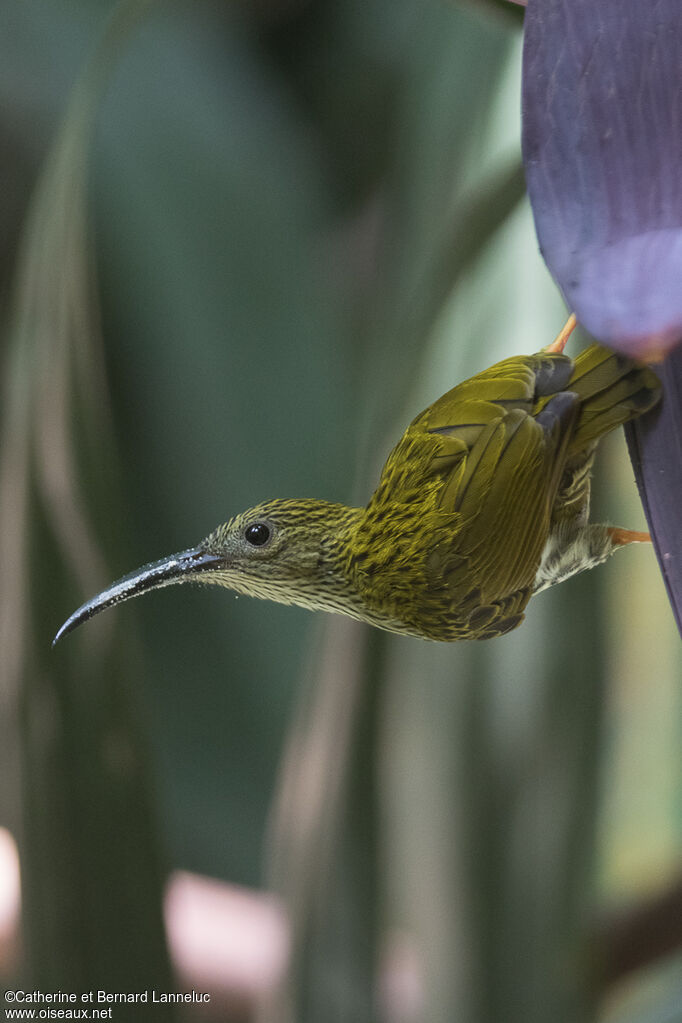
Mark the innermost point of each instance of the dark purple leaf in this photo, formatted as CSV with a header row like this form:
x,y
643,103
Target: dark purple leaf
x,y
602,145
655,443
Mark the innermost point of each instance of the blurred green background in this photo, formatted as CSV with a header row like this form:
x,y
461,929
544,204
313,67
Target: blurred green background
x,y
305,222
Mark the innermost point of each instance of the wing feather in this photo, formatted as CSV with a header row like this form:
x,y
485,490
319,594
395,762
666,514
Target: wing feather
x,y
500,469
481,467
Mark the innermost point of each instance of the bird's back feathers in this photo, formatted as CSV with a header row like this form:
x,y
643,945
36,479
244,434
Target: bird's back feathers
x,y
477,477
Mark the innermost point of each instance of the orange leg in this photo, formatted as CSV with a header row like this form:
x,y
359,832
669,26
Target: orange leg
x,y
622,536
559,343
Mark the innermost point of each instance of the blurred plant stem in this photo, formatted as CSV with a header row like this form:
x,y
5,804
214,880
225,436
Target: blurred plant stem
x,y
91,871
635,937
325,852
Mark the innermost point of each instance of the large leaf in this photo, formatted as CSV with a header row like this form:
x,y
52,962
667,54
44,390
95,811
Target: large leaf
x,y
655,443
602,145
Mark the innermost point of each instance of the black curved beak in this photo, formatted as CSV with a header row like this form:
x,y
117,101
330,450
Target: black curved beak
x,y
177,568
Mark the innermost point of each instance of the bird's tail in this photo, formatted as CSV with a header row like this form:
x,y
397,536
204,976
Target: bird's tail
x,y
613,390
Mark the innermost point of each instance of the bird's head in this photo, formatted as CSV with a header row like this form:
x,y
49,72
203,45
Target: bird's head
x,y
287,551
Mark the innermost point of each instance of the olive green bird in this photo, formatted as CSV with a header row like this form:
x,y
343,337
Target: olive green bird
x,y
482,503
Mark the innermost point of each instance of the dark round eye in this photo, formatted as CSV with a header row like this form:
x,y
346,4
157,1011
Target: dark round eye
x,y
257,534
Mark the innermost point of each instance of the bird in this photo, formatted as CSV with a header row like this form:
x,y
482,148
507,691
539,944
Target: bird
x,y
483,503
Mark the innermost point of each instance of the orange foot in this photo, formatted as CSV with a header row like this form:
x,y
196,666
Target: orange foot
x,y
557,346
620,536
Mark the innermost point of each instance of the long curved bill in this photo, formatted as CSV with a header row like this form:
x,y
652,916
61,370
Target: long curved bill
x,y
177,568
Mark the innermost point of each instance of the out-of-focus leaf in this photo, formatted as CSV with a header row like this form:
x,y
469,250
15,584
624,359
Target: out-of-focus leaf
x,y
510,8
631,938
91,870
345,63
476,220
326,834
655,443
653,996
602,146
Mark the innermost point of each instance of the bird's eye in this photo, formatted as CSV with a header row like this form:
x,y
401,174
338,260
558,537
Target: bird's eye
x,y
257,534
